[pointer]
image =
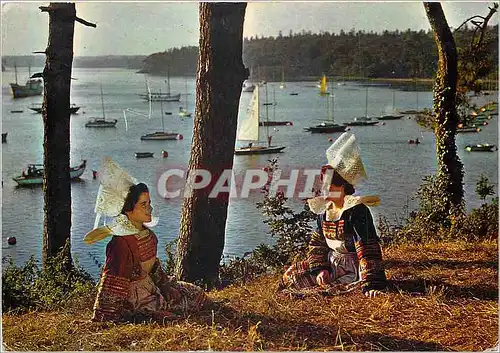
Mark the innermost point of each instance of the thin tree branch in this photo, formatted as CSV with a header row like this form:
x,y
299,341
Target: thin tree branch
x,y
485,23
467,20
83,22
77,19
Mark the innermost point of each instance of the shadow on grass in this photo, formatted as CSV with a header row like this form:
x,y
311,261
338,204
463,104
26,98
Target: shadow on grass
x,y
450,264
421,287
277,334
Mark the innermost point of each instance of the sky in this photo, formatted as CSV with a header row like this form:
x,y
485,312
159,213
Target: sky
x,y
143,28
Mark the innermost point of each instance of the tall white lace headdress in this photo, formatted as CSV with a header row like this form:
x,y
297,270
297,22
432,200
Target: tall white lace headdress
x,y
114,187
344,155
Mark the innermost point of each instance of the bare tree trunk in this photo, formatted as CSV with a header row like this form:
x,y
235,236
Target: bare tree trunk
x,y
56,119
450,169
220,75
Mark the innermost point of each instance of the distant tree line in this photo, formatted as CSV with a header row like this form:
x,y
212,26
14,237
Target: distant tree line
x,y
179,62
390,54
118,61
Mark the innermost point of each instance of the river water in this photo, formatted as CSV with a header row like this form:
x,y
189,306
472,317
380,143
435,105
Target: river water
x,y
395,168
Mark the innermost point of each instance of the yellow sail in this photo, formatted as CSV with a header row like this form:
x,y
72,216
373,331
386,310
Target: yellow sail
x,y
322,86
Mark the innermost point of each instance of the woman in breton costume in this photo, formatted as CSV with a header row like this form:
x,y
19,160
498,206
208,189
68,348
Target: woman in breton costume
x,y
344,252
133,285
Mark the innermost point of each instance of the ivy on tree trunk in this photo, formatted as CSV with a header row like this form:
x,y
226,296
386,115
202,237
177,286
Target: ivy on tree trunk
x,y
450,169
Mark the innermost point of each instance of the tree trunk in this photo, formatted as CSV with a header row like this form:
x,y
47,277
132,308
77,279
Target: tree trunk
x,y
220,75
56,119
450,171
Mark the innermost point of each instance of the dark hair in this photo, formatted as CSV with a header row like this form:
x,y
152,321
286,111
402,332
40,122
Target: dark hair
x,y
337,180
133,196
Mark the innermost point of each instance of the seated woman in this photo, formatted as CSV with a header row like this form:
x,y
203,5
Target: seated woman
x,y
344,252
133,285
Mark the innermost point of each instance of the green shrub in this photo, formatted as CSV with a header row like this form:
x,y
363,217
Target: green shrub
x,y
433,221
291,231
30,287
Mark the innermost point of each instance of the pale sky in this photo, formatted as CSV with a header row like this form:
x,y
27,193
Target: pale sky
x,y
129,28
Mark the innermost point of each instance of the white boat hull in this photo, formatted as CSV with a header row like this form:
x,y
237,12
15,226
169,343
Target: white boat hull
x,y
75,172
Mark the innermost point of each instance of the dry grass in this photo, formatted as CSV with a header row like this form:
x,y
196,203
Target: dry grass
x,y
444,297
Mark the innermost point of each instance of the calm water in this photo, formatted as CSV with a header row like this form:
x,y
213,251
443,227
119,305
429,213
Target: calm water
x,y
395,168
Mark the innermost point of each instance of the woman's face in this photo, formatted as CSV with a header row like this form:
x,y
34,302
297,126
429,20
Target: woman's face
x,y
336,193
142,209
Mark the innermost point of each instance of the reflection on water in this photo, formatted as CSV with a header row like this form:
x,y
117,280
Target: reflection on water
x,y
395,168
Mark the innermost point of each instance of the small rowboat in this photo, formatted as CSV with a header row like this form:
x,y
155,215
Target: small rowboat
x,y
144,154
35,174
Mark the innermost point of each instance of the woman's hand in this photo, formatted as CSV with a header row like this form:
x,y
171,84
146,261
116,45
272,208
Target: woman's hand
x,y
323,278
372,293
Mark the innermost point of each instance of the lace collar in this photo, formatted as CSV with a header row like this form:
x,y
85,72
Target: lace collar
x,y
121,226
320,205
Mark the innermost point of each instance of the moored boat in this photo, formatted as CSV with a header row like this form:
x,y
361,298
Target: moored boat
x,y
4,137
162,135
390,117
275,123
249,130
258,150
144,154
34,176
480,148
101,123
37,108
326,128
468,129
361,123
161,97
33,86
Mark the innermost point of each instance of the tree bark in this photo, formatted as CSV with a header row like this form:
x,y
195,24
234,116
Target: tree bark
x,y
56,119
450,169
220,75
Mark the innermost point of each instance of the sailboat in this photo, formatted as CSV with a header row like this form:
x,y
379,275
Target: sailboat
x,y
274,122
33,87
159,96
328,126
392,116
414,111
183,112
249,130
363,120
162,135
101,122
323,86
283,84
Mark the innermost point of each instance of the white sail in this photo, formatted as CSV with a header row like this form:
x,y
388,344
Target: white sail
x,y
249,130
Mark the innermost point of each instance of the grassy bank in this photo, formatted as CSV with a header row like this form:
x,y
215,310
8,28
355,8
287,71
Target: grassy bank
x,y
444,297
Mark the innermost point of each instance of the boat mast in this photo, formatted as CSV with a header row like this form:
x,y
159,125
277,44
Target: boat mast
x,y
274,104
168,80
15,70
366,102
333,108
102,103
394,100
161,110
267,118
186,96
329,115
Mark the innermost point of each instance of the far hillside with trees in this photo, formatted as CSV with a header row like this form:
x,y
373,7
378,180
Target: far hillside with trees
x,y
390,54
